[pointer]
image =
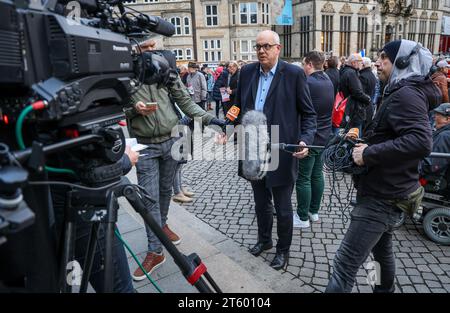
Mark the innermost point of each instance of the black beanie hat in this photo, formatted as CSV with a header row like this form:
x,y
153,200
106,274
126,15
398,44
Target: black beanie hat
x,y
391,49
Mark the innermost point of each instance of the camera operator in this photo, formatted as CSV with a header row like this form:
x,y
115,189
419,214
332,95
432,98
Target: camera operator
x,y
397,139
151,121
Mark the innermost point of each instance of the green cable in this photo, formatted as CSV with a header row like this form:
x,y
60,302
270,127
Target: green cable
x,y
137,261
21,143
19,124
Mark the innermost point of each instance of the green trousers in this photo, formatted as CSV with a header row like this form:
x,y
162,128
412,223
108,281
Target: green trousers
x,y
310,184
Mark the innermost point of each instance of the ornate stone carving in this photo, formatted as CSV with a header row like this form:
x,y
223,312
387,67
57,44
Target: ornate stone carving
x,y
434,16
424,15
346,9
328,8
363,10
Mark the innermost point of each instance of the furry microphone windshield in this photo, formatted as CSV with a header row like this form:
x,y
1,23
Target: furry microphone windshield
x,y
254,145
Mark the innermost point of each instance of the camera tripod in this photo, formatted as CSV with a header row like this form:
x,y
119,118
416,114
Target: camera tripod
x,y
100,206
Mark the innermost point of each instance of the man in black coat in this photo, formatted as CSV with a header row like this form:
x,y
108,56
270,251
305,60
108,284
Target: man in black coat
x,y
369,83
368,79
280,91
233,78
399,137
333,72
350,85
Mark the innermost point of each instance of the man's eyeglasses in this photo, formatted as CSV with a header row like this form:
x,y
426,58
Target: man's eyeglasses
x,y
266,46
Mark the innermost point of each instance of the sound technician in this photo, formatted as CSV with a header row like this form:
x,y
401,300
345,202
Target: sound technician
x,y
398,138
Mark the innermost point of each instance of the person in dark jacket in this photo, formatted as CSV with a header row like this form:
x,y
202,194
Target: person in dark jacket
x,y
221,82
351,87
233,70
441,143
368,79
399,137
333,72
369,84
310,181
280,91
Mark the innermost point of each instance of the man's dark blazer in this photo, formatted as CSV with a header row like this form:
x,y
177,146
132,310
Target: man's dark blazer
x,y
288,105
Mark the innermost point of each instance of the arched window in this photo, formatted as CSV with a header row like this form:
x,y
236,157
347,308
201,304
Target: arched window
x,y
176,21
187,26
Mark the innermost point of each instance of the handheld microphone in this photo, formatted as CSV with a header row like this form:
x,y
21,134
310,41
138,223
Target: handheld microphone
x,y
232,114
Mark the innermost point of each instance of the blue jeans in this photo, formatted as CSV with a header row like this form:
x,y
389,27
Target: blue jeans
x,y
370,230
177,185
155,173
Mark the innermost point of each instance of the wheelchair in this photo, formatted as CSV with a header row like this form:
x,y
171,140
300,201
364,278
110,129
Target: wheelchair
x,y
434,214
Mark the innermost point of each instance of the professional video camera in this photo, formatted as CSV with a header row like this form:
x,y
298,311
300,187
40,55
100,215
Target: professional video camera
x,y
64,84
83,68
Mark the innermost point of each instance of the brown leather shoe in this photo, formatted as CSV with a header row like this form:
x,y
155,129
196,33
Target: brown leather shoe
x,y
171,235
152,262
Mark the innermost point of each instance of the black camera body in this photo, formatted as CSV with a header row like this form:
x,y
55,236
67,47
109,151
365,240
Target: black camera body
x,y
74,67
83,68
82,72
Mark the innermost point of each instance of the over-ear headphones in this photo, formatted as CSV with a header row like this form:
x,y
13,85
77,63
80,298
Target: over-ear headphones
x,y
403,62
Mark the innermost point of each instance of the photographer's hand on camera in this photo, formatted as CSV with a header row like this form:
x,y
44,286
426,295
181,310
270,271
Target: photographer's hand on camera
x,y
143,109
358,153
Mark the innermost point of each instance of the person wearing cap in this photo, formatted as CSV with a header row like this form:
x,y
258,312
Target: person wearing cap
x,y
350,85
196,85
395,143
441,142
440,79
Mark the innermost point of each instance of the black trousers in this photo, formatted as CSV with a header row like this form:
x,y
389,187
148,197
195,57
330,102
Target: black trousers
x,y
264,213
370,230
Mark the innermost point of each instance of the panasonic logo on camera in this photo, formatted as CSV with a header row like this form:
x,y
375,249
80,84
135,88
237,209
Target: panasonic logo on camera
x,y
117,48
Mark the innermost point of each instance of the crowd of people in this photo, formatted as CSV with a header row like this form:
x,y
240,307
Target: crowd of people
x,y
392,103
395,103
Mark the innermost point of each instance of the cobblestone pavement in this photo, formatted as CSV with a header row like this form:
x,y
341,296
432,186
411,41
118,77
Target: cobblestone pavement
x,y
225,201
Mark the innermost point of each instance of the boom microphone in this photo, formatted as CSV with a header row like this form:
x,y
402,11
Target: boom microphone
x,y
293,148
254,145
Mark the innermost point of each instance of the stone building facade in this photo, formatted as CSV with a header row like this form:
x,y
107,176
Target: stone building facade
x,y
210,31
345,27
